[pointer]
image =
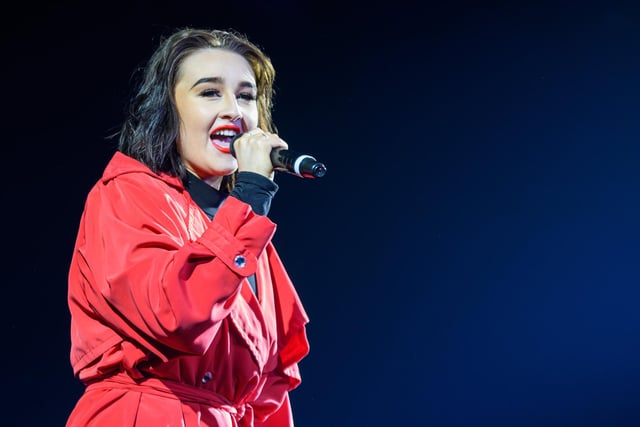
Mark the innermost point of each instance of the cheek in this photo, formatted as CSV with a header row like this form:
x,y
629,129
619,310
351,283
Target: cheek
x,y
251,117
192,114
183,136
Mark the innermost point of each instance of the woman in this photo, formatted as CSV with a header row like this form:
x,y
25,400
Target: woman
x,y
182,312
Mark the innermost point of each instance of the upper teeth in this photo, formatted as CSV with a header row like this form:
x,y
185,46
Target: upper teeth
x,y
225,132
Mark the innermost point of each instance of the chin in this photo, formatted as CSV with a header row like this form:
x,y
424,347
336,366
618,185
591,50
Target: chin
x,y
227,169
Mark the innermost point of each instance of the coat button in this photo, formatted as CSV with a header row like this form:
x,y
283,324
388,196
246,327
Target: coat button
x,y
240,261
208,376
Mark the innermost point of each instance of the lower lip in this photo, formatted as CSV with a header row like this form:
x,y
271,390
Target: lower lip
x,y
221,148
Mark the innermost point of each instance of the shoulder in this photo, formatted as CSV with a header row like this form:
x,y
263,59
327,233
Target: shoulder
x,y
127,183
125,168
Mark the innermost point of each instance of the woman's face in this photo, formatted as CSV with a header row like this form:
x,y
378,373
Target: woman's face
x,y
216,99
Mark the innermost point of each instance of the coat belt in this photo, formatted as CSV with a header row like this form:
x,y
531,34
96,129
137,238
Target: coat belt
x,y
170,389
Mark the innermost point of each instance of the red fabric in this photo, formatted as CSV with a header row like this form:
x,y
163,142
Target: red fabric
x,y
155,295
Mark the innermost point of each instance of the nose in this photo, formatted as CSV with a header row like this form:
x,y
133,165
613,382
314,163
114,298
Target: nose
x,y
230,109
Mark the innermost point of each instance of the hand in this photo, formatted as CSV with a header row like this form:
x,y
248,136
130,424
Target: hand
x,y
253,149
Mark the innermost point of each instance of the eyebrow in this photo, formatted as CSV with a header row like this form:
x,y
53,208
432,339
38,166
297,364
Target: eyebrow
x,y
219,80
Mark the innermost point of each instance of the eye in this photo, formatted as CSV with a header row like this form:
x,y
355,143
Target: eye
x,y
247,96
210,93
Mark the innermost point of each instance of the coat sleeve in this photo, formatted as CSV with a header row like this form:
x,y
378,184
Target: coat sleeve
x,y
282,417
153,282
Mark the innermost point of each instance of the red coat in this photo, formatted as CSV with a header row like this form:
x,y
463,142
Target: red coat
x,y
165,329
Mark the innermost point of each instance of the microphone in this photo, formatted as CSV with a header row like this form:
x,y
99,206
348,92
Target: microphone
x,y
302,165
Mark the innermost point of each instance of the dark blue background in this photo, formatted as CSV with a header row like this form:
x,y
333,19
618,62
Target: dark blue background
x,y
471,256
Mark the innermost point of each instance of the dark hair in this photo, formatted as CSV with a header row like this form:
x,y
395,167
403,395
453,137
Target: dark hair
x,y
151,128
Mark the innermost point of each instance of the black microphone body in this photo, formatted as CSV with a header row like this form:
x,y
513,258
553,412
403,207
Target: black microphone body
x,y
302,165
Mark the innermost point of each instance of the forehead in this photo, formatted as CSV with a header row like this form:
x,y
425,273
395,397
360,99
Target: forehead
x,y
215,62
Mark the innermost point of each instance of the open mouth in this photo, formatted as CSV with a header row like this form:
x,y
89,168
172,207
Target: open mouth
x,y
221,137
